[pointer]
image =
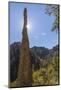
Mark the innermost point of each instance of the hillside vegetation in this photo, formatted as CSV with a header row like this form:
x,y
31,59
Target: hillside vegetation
x,y
45,65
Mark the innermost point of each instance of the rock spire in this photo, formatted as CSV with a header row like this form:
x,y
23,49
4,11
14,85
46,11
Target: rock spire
x,y
25,70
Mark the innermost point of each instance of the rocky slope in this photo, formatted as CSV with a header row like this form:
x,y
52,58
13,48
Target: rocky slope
x,y
39,57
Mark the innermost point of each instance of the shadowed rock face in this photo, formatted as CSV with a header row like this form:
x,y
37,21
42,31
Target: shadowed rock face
x,y
25,69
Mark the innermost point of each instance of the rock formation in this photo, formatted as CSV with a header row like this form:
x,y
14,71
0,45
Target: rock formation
x,y
25,69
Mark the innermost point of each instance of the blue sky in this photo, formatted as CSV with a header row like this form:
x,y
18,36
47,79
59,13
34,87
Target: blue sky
x,y
39,32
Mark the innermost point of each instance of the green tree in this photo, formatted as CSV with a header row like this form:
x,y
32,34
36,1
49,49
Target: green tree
x,y
53,10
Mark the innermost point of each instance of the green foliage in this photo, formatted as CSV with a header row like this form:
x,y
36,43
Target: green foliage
x,y
53,10
47,75
40,77
13,84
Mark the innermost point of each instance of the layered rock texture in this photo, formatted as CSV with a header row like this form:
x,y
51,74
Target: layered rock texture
x,y
24,77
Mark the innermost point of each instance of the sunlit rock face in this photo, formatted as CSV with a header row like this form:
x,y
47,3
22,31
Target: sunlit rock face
x,y
25,70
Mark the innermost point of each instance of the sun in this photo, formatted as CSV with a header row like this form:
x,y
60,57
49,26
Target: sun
x,y
28,26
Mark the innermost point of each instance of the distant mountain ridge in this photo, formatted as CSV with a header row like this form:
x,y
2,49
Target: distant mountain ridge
x,y
39,57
